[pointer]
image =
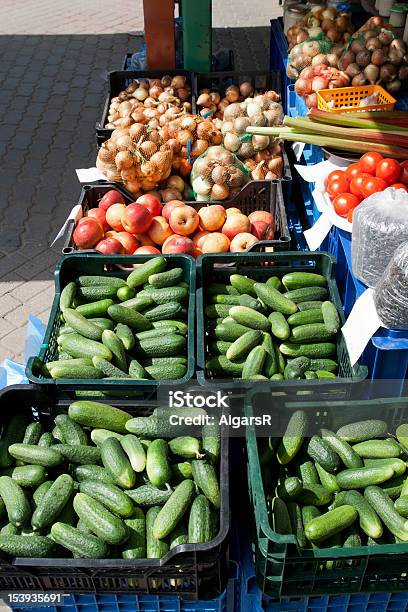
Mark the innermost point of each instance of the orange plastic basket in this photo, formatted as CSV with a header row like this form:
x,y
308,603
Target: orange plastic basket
x,y
347,99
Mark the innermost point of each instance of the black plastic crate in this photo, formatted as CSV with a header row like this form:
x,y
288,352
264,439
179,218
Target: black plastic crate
x,y
119,80
256,195
193,571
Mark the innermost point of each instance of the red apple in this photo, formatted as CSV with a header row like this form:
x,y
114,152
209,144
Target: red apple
x,y
261,215
215,243
242,242
236,224
147,250
212,218
184,220
262,230
128,241
100,215
199,238
111,197
114,216
88,233
111,234
178,244
144,240
110,246
159,230
233,211
168,208
151,203
136,219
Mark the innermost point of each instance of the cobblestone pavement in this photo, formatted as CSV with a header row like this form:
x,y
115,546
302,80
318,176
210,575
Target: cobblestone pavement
x,y
52,90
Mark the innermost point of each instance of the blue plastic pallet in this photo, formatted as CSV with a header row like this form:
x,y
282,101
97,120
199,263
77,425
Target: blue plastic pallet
x,y
278,54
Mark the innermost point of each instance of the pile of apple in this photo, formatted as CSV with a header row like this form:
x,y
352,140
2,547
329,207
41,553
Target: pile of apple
x,y
147,226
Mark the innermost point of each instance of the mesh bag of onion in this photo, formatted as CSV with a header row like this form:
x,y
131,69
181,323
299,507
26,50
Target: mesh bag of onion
x,y
217,175
136,156
311,52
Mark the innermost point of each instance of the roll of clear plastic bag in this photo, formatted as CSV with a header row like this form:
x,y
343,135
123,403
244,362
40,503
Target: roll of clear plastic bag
x,y
391,293
380,225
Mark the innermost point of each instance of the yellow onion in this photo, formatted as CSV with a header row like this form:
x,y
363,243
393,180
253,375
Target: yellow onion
x,y
176,182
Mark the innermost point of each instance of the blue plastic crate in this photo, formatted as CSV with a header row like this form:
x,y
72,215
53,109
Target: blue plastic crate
x,y
278,53
386,355
402,104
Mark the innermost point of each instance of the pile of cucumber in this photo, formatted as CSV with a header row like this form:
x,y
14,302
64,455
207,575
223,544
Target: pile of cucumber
x,y
281,329
348,488
124,329
103,484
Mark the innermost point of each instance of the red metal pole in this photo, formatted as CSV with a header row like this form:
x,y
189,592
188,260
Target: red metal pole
x,y
159,33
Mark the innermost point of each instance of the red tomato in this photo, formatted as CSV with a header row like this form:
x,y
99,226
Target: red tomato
x,y
345,202
403,177
388,169
338,186
352,170
357,183
399,186
350,215
334,176
373,184
368,162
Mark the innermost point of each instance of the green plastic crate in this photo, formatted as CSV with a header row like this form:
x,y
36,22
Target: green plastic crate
x,y
69,268
282,568
214,268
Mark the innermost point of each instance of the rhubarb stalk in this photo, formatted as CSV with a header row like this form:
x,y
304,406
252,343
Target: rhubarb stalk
x,y
346,121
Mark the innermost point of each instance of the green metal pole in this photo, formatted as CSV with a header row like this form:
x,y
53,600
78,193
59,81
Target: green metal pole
x,y
197,34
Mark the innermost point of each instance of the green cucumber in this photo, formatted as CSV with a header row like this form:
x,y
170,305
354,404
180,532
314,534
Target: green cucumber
x,y
166,279
82,545
53,502
328,365
57,434
296,368
230,331
72,433
108,369
36,455
289,488
114,344
280,360
9,529
97,280
309,513
100,435
98,415
306,294
71,362
279,326
127,316
199,522
275,282
138,303
174,371
157,425
249,317
280,517
99,520
92,472
166,295
33,433
310,305
401,506
156,549
29,475
384,507
317,350
162,312
135,546
16,502
168,346
328,480
66,369
179,535
67,296
125,335
99,308
323,454
157,332
181,325
181,471
219,347
393,487
293,437
242,346
125,293
41,491
221,365
206,479
397,465
254,363
110,496
315,495
12,433
233,300
215,311
402,435
307,472
305,317
140,275
220,288
331,317
185,446
295,515
21,546
270,366
346,453
96,293
330,523
299,280
310,375
78,346
274,299
378,449
314,332
81,325
250,302
243,284
211,442
361,431
148,495
117,464
174,509
80,454
157,464
135,452
369,521
136,370
360,478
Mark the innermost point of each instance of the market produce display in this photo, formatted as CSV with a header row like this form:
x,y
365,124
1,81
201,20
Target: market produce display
x,y
281,329
321,21
149,226
131,328
100,483
346,488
